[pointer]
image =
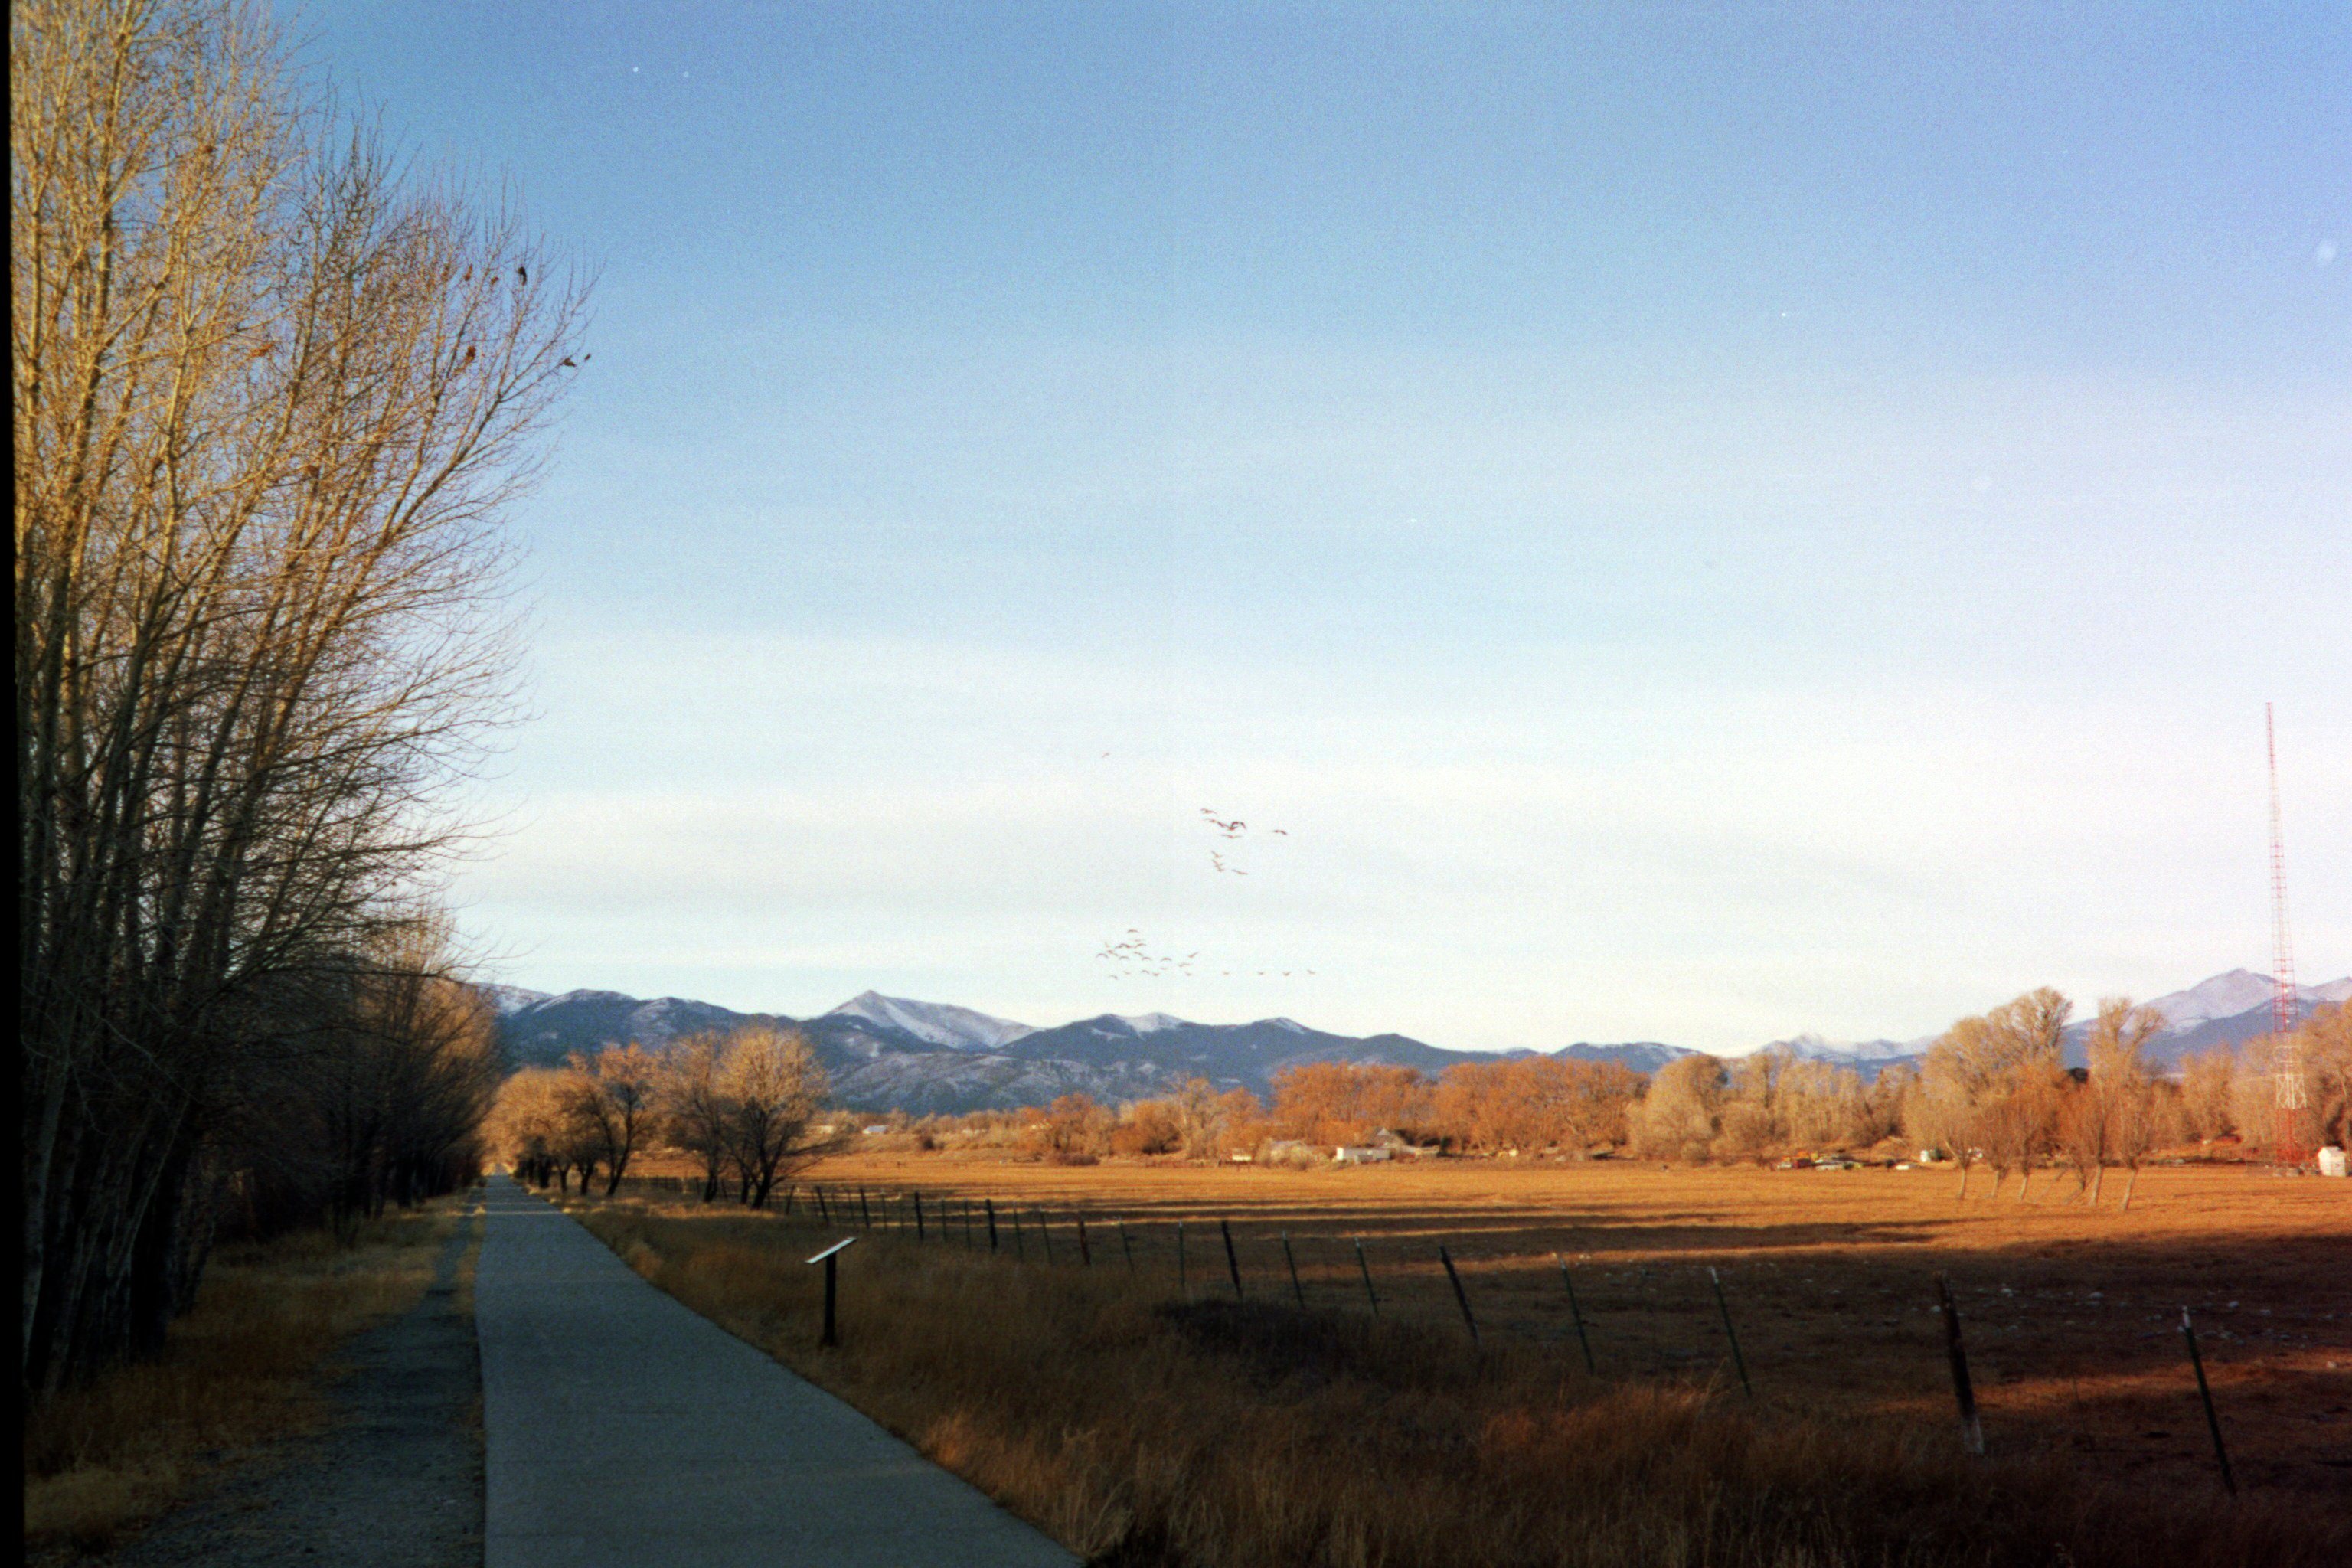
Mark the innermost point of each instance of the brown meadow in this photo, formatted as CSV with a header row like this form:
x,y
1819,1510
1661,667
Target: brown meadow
x,y
1140,1427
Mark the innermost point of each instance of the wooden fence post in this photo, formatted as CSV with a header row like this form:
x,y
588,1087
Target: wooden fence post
x,y
1233,1264
1183,1285
864,1210
1126,1246
1086,1254
1297,1294
1045,1232
990,1204
919,1216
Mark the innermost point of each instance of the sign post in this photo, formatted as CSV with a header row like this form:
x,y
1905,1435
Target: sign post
x,y
830,1256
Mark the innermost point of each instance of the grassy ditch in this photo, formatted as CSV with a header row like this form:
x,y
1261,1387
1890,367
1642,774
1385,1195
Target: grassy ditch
x,y
247,1367
1143,1431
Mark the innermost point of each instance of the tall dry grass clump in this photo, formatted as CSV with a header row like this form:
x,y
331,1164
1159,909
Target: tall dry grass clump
x,y
1141,1430
243,1367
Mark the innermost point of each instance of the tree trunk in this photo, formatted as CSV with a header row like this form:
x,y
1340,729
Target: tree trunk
x,y
2099,1179
2129,1182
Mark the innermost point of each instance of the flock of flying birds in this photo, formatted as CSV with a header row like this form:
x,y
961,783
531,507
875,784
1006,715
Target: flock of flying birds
x,y
1133,956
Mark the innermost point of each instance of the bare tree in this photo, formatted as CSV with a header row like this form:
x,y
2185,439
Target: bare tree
x,y
772,1086
271,399
610,1101
2119,1093
1992,1082
694,1108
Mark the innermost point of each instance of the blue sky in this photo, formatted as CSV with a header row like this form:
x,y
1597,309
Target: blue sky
x,y
1701,523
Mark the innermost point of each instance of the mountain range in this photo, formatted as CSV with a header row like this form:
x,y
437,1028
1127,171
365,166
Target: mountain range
x,y
887,1053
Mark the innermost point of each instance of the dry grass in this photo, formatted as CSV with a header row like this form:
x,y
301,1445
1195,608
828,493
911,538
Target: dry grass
x,y
247,1367
1141,1429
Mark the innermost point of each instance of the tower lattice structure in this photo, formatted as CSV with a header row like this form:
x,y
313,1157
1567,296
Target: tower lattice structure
x,y
2289,1097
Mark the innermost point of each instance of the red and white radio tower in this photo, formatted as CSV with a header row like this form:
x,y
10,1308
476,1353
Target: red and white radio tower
x,y
2290,1097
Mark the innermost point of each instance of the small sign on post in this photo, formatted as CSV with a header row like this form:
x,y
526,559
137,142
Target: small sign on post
x,y
829,1256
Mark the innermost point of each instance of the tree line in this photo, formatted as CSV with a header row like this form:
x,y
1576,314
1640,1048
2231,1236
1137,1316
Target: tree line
x,y
272,396
744,1104
1991,1092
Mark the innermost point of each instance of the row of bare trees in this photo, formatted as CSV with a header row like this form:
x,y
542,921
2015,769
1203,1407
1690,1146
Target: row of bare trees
x,y
743,1104
270,398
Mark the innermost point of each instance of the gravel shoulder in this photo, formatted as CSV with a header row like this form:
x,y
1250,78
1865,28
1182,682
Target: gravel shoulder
x,y
395,1478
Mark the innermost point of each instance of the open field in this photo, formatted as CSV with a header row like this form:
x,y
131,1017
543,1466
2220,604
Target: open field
x,y
1847,1452
244,1370
2072,1316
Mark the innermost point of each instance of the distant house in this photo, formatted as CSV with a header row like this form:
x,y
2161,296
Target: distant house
x,y
1361,1155
1398,1147
876,1130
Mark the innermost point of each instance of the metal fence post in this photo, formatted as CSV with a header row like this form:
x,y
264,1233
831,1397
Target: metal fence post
x,y
2205,1392
1297,1294
1738,1362
990,1204
1233,1264
1577,1313
1461,1298
1365,1270
1964,1394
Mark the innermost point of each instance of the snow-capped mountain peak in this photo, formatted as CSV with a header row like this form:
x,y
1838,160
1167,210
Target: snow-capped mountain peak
x,y
934,1022
2222,996
1151,1023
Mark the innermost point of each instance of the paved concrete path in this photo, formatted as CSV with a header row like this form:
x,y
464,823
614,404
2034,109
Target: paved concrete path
x,y
623,1428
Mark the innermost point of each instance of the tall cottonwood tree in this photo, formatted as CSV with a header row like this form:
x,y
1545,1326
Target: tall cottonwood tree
x,y
270,400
